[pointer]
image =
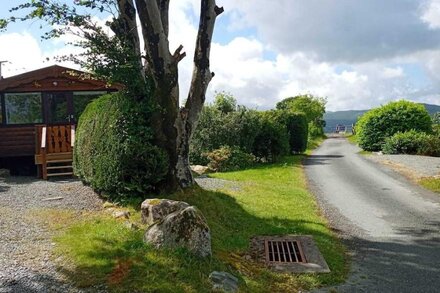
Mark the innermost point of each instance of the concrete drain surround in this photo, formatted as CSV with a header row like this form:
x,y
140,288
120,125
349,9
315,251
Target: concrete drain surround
x,y
289,253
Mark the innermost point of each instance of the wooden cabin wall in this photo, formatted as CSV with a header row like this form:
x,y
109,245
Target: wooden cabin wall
x,y
17,141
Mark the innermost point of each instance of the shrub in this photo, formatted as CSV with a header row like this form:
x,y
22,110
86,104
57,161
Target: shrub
x,y
378,124
272,140
403,143
297,129
312,107
113,150
216,129
229,159
430,146
412,142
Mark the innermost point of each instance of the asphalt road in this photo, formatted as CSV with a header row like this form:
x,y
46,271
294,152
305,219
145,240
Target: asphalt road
x,y
391,226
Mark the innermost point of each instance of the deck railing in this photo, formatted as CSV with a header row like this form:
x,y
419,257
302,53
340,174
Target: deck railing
x,y
54,146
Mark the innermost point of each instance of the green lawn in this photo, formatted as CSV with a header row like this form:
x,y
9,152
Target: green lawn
x,y
273,200
431,183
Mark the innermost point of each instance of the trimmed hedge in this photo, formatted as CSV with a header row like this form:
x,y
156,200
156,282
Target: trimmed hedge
x,y
113,150
216,129
412,143
272,140
297,129
378,124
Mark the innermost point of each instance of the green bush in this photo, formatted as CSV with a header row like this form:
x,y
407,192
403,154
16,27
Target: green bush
x,y
378,124
297,129
229,159
272,140
216,129
413,143
430,146
312,107
113,150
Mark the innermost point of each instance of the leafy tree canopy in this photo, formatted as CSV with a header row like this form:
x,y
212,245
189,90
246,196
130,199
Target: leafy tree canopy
x,y
312,107
225,102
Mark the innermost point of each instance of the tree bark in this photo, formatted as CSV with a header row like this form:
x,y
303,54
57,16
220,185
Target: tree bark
x,y
202,75
125,28
173,126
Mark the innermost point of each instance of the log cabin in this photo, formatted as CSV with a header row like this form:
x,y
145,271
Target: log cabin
x,y
38,114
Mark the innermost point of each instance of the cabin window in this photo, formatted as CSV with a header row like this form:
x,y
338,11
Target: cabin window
x,y
82,99
23,108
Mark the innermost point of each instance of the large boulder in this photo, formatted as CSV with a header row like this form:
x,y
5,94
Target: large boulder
x,y
184,228
155,209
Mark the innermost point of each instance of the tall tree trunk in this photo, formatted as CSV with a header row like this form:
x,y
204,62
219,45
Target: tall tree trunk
x,y
202,75
173,126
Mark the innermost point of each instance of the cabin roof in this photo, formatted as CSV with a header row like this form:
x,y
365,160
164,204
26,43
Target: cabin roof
x,y
44,79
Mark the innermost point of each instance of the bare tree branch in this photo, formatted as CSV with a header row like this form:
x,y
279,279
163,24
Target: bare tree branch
x,y
201,73
125,27
156,45
164,14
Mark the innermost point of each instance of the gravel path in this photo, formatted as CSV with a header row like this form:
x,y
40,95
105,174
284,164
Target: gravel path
x,y
217,184
26,263
422,166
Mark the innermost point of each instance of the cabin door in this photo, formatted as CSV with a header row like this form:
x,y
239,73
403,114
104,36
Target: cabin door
x,y
59,108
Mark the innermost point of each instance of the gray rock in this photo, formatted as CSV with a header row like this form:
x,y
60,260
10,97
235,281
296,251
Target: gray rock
x,y
223,281
121,214
130,225
185,228
199,169
155,209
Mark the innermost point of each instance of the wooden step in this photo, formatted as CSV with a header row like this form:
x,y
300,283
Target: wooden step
x,y
59,167
58,161
60,174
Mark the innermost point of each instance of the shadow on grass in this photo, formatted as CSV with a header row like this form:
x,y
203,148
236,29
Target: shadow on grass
x,y
112,254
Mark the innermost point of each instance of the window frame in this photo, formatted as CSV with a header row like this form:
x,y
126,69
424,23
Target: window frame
x,y
4,120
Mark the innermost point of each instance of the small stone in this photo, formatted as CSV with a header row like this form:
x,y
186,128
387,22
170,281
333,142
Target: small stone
x,y
130,225
121,214
223,281
199,169
108,204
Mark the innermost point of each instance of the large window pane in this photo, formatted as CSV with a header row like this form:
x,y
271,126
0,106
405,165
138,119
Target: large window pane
x,y
23,108
58,108
82,99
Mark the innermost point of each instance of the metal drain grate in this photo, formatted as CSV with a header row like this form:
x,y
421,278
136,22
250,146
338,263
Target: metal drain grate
x,y
283,251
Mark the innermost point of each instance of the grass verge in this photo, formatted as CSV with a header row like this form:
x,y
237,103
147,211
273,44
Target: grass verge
x,y
352,138
273,199
431,183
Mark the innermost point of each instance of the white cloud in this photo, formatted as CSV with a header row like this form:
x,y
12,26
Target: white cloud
x,y
22,51
242,68
431,14
389,72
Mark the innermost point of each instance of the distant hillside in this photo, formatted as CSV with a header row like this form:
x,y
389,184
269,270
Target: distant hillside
x,y
350,117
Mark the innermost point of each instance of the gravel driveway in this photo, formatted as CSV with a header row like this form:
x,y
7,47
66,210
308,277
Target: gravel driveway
x,y
411,165
26,259
26,263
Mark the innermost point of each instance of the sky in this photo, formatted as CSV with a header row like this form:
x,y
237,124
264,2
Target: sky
x,y
358,54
